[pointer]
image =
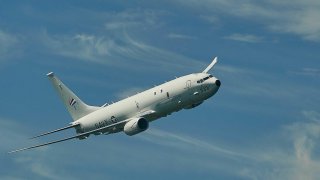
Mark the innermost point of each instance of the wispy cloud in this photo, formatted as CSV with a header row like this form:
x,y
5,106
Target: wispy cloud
x,y
28,164
80,46
180,36
38,167
129,92
180,141
118,45
12,134
129,19
118,50
7,43
121,50
293,17
249,38
305,136
291,153
312,115
313,72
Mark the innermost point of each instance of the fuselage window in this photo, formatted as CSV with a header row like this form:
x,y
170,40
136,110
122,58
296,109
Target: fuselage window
x,y
168,95
204,79
155,93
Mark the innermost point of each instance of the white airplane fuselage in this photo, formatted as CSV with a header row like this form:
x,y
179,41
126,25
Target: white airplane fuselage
x,y
184,92
133,114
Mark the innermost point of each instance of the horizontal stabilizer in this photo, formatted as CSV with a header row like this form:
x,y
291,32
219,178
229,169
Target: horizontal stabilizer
x,y
214,61
72,137
57,130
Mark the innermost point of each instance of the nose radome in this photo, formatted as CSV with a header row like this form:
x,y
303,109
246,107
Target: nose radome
x,y
218,83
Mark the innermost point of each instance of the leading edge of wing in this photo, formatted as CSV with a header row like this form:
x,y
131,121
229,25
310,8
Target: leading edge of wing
x,y
69,138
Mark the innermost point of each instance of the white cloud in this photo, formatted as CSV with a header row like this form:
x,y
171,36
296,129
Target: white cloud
x,y
32,164
211,19
119,50
180,141
249,38
122,51
289,154
117,47
129,92
180,36
293,17
80,46
11,134
38,166
303,23
305,137
314,72
7,43
127,20
312,115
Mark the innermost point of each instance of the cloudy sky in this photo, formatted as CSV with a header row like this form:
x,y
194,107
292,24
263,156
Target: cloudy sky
x,y
264,123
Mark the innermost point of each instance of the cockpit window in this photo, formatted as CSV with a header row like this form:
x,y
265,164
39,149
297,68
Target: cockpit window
x,y
204,79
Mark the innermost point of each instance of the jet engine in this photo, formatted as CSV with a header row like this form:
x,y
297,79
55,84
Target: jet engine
x,y
135,126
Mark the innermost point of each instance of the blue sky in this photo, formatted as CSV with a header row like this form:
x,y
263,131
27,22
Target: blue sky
x,y
264,123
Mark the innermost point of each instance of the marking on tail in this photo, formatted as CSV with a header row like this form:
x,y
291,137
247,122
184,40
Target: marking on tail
x,y
72,103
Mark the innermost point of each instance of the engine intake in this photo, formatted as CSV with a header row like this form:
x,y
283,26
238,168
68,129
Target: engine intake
x,y
135,126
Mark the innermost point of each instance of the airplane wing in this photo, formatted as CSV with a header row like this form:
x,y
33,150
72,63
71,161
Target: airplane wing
x,y
147,114
71,137
214,61
57,130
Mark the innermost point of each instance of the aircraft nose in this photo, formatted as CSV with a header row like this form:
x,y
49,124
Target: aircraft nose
x,y
218,82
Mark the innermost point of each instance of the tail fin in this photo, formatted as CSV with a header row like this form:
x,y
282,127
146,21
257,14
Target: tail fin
x,y
74,105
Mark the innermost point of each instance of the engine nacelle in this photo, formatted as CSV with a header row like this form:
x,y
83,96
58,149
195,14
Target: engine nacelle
x,y
135,126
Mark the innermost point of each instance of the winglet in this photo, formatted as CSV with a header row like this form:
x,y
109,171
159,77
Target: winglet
x,y
50,74
214,61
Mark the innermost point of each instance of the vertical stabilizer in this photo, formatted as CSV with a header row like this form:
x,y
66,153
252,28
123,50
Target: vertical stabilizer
x,y
73,103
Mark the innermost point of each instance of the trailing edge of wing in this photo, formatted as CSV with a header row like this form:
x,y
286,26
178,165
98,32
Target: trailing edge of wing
x,y
57,130
71,137
214,61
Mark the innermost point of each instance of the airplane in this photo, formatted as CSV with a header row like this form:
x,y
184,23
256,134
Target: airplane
x,y
133,114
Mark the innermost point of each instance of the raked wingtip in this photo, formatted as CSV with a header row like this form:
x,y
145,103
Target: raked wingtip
x,y
50,74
